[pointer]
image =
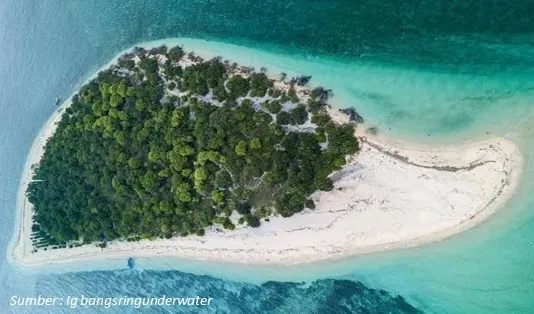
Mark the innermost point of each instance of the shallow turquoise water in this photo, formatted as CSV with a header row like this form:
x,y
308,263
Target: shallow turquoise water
x,y
448,69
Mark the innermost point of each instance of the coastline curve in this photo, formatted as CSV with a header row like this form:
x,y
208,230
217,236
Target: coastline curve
x,y
486,175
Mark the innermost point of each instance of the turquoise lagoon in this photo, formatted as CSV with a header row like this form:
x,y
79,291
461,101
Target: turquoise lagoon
x,y
427,72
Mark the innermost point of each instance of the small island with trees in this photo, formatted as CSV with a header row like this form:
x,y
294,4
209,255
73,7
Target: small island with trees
x,y
165,144
168,153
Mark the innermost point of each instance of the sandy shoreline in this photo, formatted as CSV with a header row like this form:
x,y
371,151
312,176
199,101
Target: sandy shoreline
x,y
391,195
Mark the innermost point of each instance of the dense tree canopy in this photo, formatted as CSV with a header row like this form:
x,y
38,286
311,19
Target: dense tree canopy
x,y
141,152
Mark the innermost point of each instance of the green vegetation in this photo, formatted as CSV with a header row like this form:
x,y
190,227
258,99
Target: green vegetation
x,y
259,83
273,106
131,161
238,86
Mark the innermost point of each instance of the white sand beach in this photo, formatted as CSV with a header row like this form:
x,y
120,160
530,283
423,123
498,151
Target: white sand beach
x,y
390,195
381,201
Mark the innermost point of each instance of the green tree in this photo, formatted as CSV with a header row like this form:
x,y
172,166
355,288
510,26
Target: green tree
x,y
241,148
255,144
238,86
122,164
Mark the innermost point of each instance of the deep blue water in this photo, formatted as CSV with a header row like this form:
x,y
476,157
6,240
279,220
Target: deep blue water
x,y
49,47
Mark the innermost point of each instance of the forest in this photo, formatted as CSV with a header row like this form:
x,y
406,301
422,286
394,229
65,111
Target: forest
x,y
156,147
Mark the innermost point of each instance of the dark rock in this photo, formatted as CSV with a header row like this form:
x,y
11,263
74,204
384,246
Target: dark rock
x,y
158,50
246,70
372,130
139,51
353,115
127,56
300,80
194,57
321,94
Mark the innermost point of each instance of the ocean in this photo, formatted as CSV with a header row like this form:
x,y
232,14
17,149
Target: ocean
x,y
426,71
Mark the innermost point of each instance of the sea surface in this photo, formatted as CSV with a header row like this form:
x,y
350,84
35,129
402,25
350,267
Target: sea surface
x,y
428,71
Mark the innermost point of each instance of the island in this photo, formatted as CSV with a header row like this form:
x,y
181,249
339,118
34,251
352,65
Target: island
x,y
167,153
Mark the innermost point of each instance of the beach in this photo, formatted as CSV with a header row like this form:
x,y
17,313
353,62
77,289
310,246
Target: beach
x,y
390,195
